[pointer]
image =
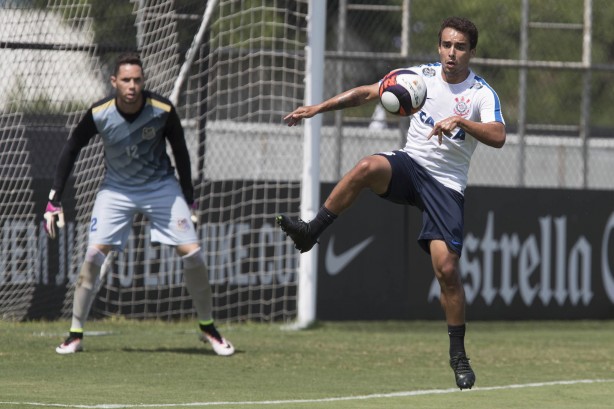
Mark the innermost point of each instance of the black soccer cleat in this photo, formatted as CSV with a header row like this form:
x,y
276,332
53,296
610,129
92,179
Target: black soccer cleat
x,y
465,378
298,231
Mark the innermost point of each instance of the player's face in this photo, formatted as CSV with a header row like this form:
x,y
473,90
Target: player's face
x,y
129,86
454,54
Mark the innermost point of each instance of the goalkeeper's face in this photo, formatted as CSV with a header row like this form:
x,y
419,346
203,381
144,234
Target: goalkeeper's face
x,y
128,84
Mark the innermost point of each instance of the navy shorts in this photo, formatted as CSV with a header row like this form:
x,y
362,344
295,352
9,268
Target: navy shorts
x,y
442,207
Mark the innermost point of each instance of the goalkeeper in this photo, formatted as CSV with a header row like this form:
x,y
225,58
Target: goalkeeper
x,y
134,125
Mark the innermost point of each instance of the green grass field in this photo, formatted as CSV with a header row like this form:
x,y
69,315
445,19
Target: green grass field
x,y
148,364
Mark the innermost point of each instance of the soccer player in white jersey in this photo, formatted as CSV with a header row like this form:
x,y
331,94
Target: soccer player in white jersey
x,y
430,172
134,125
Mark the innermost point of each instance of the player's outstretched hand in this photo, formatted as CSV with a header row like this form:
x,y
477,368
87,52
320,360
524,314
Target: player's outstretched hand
x,y
54,219
294,117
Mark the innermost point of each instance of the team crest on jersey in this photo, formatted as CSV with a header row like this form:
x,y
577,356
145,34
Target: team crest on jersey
x,y
148,133
477,85
462,106
428,71
183,225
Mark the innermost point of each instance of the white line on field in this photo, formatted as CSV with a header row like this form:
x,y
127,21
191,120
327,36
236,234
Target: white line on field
x,y
321,400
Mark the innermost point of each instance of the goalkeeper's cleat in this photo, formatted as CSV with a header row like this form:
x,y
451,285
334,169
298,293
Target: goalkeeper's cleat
x,y
219,344
54,219
465,378
298,231
70,346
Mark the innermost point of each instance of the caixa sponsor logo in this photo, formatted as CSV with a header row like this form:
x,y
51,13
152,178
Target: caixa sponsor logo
x,y
547,266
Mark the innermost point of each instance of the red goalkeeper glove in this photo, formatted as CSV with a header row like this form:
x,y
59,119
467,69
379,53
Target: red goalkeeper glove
x,y
54,217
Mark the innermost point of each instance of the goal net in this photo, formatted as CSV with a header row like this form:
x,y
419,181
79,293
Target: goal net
x,y
246,71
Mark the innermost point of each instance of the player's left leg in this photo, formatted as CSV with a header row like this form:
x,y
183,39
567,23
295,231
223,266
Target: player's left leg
x,y
197,283
452,298
171,224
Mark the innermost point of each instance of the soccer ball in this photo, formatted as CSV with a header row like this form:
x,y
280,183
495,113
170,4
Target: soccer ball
x,y
402,92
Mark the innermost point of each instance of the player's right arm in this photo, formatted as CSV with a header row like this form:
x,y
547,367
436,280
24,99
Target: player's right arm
x,y
80,136
351,98
85,130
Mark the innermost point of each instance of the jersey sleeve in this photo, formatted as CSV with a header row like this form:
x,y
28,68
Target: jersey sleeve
x,y
80,136
174,134
490,106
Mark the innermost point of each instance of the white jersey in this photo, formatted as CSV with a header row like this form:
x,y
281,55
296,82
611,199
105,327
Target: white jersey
x,y
472,99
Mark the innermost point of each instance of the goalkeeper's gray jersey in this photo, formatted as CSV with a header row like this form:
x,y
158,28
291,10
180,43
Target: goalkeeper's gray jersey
x,y
135,151
134,145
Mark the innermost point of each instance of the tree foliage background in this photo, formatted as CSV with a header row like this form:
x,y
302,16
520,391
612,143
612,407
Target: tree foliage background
x,y
553,95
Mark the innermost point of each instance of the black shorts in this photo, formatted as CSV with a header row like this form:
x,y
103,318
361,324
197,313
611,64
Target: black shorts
x,y
442,207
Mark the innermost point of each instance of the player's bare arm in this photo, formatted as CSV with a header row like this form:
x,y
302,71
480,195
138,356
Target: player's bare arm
x,y
490,133
350,98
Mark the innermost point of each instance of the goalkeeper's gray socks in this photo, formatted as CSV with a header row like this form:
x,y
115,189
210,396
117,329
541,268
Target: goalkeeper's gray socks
x,y
323,219
84,289
197,282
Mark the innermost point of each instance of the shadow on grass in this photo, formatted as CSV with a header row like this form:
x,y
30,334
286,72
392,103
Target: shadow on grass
x,y
187,351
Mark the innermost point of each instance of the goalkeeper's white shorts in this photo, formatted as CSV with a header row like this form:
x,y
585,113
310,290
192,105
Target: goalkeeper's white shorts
x,y
163,205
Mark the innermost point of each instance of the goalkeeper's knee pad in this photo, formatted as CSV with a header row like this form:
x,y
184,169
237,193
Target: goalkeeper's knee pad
x,y
94,259
194,259
95,256
195,271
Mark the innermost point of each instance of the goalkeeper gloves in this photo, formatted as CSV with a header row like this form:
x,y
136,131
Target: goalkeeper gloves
x,y
54,216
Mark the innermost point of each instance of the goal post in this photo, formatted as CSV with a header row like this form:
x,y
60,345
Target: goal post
x,y
310,185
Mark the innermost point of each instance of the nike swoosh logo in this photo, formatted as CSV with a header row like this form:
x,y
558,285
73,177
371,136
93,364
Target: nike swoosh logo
x,y
334,263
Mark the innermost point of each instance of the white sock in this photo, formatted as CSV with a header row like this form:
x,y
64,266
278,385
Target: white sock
x,y
197,282
84,289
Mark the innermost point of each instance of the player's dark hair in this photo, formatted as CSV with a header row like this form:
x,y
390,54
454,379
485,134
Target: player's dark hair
x,y
127,58
464,26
